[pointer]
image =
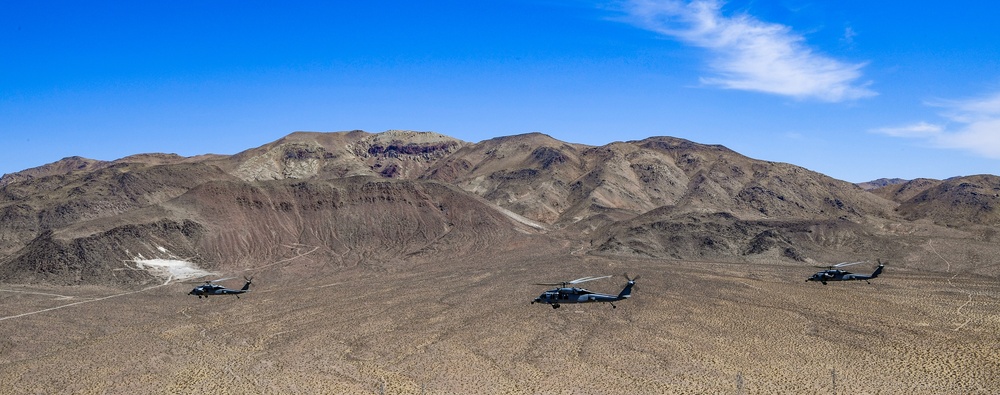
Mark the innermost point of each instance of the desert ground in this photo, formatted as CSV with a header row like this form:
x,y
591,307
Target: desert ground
x,y
464,324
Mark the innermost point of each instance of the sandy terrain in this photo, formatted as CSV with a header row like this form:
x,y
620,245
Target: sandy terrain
x,y
464,325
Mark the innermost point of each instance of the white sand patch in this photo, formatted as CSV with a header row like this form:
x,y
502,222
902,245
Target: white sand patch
x,y
171,269
519,218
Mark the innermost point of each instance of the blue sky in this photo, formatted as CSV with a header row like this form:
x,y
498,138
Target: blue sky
x,y
855,90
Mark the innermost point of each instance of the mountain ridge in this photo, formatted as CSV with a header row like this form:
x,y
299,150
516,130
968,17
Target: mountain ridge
x,y
660,197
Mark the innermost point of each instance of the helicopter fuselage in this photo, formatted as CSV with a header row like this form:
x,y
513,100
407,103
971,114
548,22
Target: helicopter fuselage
x,y
215,289
842,275
570,295
558,296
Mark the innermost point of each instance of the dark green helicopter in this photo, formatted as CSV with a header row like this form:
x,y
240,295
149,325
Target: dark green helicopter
x,y
565,294
833,273
210,288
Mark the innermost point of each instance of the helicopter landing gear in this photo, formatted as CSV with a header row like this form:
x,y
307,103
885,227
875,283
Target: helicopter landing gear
x,y
555,305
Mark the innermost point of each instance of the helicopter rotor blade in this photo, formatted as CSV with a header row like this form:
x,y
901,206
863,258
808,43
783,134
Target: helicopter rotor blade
x,y
839,265
207,281
585,279
577,281
843,264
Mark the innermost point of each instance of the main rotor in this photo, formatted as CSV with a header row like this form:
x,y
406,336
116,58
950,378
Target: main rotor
x,y
842,264
563,284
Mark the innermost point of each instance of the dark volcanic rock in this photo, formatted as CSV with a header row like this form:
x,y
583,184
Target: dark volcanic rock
x,y
102,258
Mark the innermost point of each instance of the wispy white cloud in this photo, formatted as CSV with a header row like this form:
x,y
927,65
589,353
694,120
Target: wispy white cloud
x,y
750,54
971,125
849,35
917,130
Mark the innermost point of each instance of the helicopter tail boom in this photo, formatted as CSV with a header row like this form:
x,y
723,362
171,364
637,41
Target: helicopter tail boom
x,y
878,270
627,291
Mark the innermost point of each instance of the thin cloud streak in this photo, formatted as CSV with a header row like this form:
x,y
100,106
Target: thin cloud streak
x,y
976,127
749,54
917,130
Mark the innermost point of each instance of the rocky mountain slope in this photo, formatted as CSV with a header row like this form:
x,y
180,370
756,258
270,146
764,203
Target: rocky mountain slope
x,y
393,198
881,182
957,202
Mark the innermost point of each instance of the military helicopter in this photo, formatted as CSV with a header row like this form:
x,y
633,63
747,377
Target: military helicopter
x,y
833,273
565,294
210,288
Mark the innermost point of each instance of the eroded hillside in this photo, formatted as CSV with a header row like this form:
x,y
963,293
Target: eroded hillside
x,y
367,199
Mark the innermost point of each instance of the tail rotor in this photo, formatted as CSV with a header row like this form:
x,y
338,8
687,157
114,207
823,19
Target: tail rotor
x,y
246,287
627,291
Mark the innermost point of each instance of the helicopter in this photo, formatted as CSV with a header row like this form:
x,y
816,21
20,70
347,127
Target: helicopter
x,y
833,273
210,288
565,294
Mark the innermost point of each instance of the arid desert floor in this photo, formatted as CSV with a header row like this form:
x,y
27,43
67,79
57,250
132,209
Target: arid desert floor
x,y
465,325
